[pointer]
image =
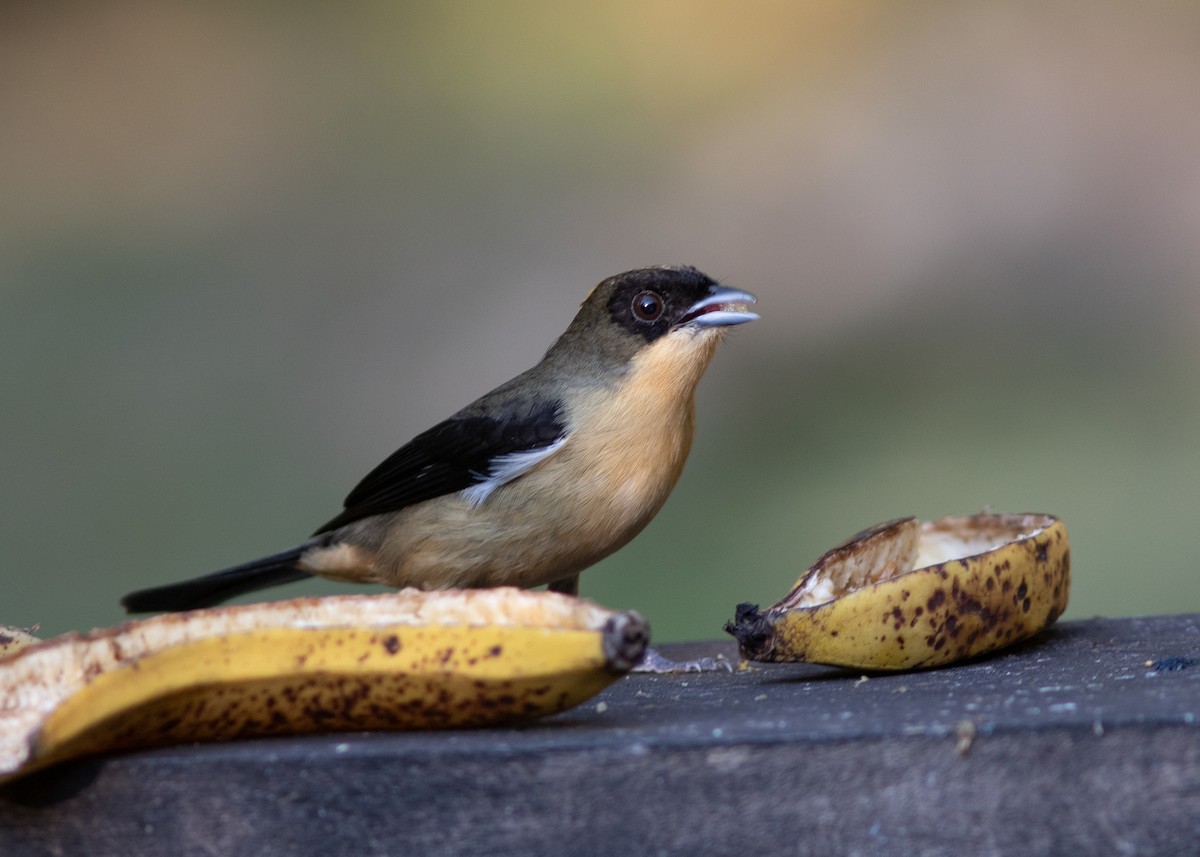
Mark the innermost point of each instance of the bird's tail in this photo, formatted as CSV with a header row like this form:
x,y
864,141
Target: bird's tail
x,y
212,589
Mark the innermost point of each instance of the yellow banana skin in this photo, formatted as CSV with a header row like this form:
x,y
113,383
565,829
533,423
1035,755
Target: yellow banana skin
x,y
511,662
12,639
930,616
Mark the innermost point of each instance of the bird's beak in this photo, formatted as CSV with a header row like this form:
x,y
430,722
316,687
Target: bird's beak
x,y
721,307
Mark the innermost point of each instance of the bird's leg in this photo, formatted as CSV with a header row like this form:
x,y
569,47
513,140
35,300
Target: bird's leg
x,y
567,586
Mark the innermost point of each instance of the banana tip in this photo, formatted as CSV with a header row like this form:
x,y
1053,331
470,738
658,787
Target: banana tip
x,y
752,630
626,637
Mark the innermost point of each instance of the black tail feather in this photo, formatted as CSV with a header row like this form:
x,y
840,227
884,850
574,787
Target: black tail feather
x,y
212,589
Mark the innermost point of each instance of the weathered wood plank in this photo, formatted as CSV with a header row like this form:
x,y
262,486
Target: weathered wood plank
x,y
1085,741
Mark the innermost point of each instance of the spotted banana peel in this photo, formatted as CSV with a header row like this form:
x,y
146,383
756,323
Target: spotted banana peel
x,y
13,639
906,594
405,660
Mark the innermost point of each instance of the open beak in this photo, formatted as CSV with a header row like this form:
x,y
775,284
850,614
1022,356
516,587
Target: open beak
x,y
721,307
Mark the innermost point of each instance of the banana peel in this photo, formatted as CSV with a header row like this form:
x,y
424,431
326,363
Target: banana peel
x,y
405,660
13,639
905,594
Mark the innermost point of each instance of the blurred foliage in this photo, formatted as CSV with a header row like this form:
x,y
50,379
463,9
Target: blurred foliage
x,y
248,249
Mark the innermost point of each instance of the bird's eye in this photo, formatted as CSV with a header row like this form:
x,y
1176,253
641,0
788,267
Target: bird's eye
x,y
648,306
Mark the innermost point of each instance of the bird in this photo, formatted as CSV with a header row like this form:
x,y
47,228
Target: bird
x,y
534,481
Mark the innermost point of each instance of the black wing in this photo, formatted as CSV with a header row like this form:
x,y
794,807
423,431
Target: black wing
x,y
449,457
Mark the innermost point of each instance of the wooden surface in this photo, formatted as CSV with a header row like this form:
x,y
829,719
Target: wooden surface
x,y
1086,741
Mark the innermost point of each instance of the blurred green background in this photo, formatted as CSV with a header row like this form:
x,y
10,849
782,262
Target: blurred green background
x,y
248,249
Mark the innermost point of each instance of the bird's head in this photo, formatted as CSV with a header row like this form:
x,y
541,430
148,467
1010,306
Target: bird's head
x,y
673,313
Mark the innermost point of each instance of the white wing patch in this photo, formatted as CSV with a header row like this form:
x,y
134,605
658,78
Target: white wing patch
x,y
506,468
